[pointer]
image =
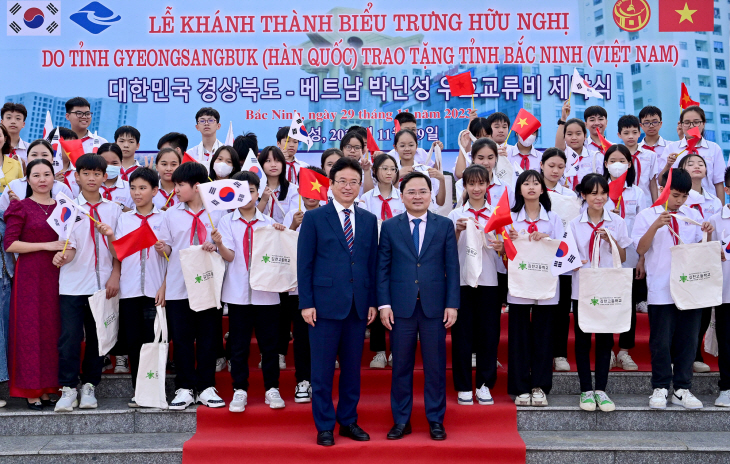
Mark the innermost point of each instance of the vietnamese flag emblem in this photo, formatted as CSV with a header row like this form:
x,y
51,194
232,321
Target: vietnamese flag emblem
x,y
461,85
605,144
685,100
73,149
501,215
138,240
616,190
664,197
686,16
313,185
525,124
188,159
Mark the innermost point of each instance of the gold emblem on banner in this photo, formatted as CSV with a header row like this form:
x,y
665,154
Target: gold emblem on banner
x,y
631,15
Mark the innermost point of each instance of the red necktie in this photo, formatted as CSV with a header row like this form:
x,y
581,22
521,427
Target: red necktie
x,y
85,139
94,212
577,167
108,192
197,226
649,148
291,175
699,208
248,240
489,195
621,208
144,221
478,214
532,226
525,163
12,154
675,227
600,147
65,179
637,163
385,211
593,238
274,197
125,174
169,200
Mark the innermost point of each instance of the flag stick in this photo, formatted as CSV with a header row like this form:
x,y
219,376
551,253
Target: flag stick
x,y
211,220
569,95
286,141
64,247
168,259
507,139
300,203
168,199
472,102
93,218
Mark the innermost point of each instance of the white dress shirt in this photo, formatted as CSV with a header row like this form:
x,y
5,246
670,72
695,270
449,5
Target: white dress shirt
x,y
421,227
339,208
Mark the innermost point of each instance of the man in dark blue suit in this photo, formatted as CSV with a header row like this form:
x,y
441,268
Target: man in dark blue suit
x,y
418,294
336,259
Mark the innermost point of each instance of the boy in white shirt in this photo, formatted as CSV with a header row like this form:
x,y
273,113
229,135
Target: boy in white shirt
x,y
207,122
408,121
86,267
289,147
12,117
114,188
79,115
673,332
643,160
127,137
651,123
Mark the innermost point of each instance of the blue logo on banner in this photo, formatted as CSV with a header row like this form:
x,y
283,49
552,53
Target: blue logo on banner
x,y
95,17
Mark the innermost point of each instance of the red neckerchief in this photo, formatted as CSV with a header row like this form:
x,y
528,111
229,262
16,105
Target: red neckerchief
x,y
637,163
525,163
94,212
532,226
600,147
489,195
108,192
577,167
65,178
593,238
478,214
291,175
385,211
649,148
675,227
144,221
169,197
274,198
125,174
248,240
698,208
198,226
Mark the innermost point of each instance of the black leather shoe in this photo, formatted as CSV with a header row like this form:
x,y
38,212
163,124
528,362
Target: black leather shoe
x,y
437,431
326,438
37,406
354,431
399,431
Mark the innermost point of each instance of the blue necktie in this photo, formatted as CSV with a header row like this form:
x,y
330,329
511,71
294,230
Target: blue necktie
x,y
349,236
416,223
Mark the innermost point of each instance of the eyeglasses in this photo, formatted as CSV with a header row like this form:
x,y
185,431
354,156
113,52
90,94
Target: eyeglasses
x,y
651,123
691,123
82,114
206,121
353,147
387,169
343,183
417,193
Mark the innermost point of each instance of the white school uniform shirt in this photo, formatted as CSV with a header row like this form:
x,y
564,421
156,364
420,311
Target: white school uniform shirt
x,y
562,190
175,231
659,147
709,151
121,193
658,258
21,150
634,199
236,285
19,186
647,160
297,165
199,153
87,141
69,179
590,160
547,223
533,158
370,202
91,267
496,190
706,203
488,277
160,199
419,158
286,203
142,272
128,172
582,231
721,222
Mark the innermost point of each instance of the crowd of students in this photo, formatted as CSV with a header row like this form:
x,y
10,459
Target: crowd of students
x,y
46,283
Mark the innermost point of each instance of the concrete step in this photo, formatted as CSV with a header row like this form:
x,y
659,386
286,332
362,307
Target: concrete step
x,y
551,447
87,448
112,386
631,383
632,414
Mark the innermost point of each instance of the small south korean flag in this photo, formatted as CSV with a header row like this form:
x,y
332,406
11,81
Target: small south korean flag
x,y
567,257
580,86
223,195
725,245
298,131
64,216
34,18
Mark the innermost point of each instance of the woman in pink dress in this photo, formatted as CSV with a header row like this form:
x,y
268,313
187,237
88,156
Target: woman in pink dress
x,y
34,315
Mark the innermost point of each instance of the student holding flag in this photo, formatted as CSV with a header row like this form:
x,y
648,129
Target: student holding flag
x,y
277,192
643,160
61,162
35,320
168,159
287,139
114,188
524,153
10,169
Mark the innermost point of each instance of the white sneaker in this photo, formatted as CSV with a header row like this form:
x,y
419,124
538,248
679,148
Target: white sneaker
x,y
561,364
261,360
465,398
473,360
220,364
625,362
88,399
484,397
699,366
303,392
209,397
642,307
379,360
538,397
107,364
229,365
390,359
68,401
183,399
658,400
723,400
604,403
684,397
3,403
367,334
239,401
282,362
587,401
613,361
273,399
122,365
132,403
523,399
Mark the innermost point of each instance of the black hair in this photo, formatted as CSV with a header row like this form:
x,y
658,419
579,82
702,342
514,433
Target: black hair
x,y
520,200
628,121
482,143
344,163
91,162
235,161
127,130
243,143
697,110
403,132
575,121
349,136
681,180
379,160
594,110
64,132
77,102
11,107
278,156
683,162
247,176
496,117
29,168
414,175
550,152
329,152
590,183
146,174
475,172
208,111
37,142
175,139
282,134
358,130
5,149
317,170
650,111
727,176
405,117
190,173
631,173
112,147
165,151
479,125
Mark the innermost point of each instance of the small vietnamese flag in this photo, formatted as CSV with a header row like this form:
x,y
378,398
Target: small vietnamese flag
x,y
372,145
525,124
188,159
665,192
397,126
500,217
685,100
509,247
616,188
605,144
313,185
138,240
694,138
72,148
461,85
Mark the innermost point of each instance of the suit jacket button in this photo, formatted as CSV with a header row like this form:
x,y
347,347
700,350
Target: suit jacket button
x,y
352,263
350,280
416,281
418,265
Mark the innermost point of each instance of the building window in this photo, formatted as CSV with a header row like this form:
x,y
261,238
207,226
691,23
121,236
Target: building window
x,y
556,71
724,118
599,30
683,45
638,102
718,30
718,47
685,64
620,81
709,116
717,13
722,100
636,86
621,102
725,137
598,14
702,63
685,81
705,81
720,65
598,2
701,45
635,69
722,82
705,99
710,135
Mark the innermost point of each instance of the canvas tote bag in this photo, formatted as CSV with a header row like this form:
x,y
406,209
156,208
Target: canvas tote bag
x,y
471,265
529,273
274,260
150,389
203,273
106,317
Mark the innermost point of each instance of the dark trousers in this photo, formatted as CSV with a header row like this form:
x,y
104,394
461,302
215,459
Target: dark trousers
x,y
195,333
328,339
561,318
377,336
502,289
284,327
479,311
670,328
722,329
604,346
403,340
291,313
137,323
704,324
530,353
76,318
220,351
627,340
243,320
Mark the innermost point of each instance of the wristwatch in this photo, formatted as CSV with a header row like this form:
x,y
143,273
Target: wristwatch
x,y
560,122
